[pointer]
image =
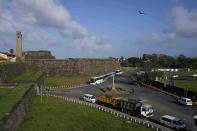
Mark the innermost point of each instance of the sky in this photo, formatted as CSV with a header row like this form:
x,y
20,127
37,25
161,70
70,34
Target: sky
x,y
101,28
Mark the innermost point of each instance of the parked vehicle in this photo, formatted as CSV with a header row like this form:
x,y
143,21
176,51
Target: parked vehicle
x,y
129,106
89,98
96,80
172,122
185,101
195,123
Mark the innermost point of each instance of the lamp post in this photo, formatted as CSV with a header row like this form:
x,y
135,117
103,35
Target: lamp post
x,y
113,84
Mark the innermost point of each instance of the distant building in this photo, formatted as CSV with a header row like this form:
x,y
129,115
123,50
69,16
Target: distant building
x,y
18,44
168,70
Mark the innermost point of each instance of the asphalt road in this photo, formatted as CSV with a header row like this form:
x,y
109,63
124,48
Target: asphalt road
x,y
161,103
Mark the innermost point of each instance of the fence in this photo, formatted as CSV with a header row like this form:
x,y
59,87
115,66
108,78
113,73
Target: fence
x,y
64,87
115,113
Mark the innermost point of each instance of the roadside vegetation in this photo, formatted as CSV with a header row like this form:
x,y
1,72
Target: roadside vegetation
x,y
53,114
28,76
9,97
65,80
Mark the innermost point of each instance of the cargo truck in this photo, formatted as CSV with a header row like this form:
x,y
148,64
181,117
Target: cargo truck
x,y
130,106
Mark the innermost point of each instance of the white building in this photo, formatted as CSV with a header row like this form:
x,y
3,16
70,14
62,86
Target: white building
x,y
7,57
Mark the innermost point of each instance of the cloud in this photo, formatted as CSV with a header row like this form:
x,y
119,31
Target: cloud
x,y
182,25
46,22
157,39
184,21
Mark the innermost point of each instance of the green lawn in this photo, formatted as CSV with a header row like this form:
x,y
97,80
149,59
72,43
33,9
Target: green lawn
x,y
9,97
190,85
58,115
65,80
28,76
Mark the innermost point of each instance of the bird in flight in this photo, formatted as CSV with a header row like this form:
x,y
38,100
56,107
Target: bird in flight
x,y
141,13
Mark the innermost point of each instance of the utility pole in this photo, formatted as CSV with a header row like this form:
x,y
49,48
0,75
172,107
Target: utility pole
x,y
41,94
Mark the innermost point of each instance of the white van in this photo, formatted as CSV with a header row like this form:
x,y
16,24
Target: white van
x,y
185,101
89,98
172,122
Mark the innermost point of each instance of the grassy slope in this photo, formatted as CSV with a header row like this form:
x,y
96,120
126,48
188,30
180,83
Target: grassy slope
x,y
28,76
66,80
58,115
9,97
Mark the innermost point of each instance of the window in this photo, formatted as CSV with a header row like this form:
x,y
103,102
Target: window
x,y
195,122
178,122
92,97
166,119
189,101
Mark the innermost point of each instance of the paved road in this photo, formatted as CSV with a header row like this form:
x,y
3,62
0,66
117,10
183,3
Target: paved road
x,y
161,103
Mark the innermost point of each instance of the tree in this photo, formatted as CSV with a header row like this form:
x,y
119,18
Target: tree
x,y
166,61
182,61
11,51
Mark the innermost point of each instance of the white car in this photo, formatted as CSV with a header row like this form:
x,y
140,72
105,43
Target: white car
x,y
185,101
172,122
89,98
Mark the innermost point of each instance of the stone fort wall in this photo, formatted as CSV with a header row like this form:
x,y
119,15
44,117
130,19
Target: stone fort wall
x,y
73,66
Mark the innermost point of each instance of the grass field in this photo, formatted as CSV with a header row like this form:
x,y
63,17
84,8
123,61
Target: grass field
x,y
58,115
28,76
66,80
9,97
190,85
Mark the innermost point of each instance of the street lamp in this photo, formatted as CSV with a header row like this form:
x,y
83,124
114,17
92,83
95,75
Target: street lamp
x,y
113,84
